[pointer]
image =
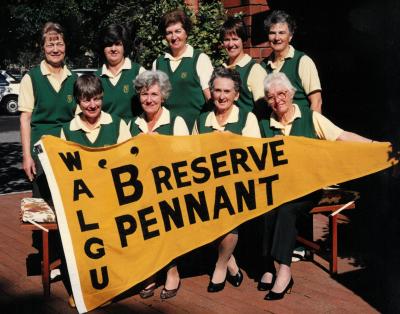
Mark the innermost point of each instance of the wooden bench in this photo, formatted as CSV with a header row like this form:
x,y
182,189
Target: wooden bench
x,y
29,208
332,203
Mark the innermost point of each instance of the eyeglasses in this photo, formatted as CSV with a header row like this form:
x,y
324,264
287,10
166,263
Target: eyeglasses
x,y
278,96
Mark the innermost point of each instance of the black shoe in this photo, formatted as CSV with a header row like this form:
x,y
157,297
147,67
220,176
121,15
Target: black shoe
x,y
235,280
147,292
279,295
265,286
216,287
167,294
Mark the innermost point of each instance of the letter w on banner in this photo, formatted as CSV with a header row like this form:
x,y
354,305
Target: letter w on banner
x,y
125,211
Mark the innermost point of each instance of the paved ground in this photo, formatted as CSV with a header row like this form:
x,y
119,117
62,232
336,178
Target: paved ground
x,y
12,177
314,290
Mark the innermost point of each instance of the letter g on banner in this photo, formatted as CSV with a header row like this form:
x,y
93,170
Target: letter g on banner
x,y
124,197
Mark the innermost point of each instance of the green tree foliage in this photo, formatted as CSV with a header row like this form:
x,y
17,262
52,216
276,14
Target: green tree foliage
x,y
83,19
143,18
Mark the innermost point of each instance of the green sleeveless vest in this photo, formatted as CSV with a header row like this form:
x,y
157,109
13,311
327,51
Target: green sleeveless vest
x,y
245,100
108,134
165,129
291,69
121,99
51,108
236,127
303,126
186,98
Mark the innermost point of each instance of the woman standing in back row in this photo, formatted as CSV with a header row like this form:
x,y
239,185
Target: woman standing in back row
x,y
45,101
189,70
118,73
233,35
297,66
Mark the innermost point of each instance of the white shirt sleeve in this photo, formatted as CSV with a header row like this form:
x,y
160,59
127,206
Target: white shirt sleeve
x,y
204,70
124,132
251,128
324,128
180,127
26,98
309,75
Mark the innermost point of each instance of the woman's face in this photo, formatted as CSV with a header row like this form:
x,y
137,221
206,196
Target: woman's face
x,y
151,99
224,94
233,45
114,53
279,37
91,108
176,36
279,99
54,49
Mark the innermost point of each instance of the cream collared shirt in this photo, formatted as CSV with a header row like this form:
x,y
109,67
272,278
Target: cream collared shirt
x,y
127,65
324,128
26,98
204,67
255,80
250,129
92,134
179,127
307,71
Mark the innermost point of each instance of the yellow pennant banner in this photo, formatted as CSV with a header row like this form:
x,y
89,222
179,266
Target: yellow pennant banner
x,y
125,211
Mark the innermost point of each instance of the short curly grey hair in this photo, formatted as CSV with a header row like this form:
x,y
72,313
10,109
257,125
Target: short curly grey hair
x,y
147,79
280,79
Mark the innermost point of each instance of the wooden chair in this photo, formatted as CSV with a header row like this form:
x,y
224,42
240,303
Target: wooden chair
x,y
37,215
332,203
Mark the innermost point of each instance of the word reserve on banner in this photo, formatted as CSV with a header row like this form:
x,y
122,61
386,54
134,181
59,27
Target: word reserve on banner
x,y
125,211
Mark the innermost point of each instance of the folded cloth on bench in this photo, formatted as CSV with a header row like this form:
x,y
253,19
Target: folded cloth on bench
x,y
36,209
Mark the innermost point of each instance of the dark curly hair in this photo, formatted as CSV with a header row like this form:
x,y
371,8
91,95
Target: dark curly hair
x,y
173,17
234,26
112,34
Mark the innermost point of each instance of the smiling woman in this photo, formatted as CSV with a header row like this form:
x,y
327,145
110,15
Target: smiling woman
x,y
297,66
45,102
279,232
233,35
154,88
227,116
93,127
118,72
188,69
225,85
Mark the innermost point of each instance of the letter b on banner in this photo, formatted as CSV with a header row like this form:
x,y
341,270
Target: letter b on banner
x,y
123,188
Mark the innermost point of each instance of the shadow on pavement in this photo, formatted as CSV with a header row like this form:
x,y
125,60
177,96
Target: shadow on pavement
x,y
12,177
